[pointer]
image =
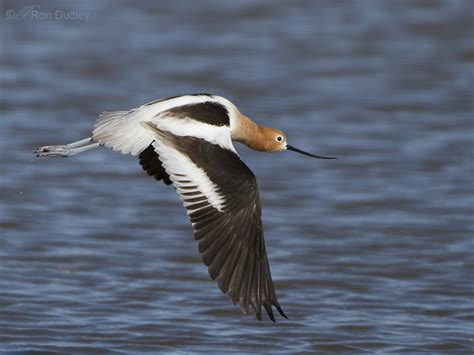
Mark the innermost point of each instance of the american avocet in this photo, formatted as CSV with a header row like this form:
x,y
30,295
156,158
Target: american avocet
x,y
187,141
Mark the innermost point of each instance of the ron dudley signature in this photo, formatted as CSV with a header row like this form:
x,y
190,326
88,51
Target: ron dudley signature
x,y
34,12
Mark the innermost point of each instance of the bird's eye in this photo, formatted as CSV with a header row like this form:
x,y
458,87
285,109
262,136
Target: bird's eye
x,y
279,138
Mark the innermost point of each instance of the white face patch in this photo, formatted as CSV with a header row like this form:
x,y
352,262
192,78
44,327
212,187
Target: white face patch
x,y
184,173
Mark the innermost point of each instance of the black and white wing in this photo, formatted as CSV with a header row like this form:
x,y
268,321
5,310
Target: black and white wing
x,y
186,140
221,197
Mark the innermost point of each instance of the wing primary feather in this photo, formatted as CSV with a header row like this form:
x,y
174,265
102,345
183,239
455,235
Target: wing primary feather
x,y
227,273
246,289
268,308
210,245
258,312
220,257
277,306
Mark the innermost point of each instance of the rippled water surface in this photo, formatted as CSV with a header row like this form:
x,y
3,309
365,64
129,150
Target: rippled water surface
x,y
369,253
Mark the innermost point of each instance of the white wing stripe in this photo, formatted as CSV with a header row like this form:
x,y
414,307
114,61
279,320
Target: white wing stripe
x,y
178,164
187,127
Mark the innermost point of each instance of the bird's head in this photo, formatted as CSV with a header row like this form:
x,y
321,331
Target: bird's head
x,y
272,140
275,140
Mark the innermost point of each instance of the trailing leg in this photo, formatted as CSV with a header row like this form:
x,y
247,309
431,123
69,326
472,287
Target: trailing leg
x,y
67,150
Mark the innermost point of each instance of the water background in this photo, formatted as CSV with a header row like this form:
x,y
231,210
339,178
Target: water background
x,y
369,253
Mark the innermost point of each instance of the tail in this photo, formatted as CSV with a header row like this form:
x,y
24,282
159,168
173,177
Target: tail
x,y
68,149
122,130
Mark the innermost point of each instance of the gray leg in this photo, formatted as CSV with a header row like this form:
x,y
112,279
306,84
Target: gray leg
x,y
68,149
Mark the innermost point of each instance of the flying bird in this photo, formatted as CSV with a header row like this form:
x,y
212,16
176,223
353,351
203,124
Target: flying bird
x,y
187,141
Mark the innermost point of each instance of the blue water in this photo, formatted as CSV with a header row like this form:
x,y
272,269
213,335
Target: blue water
x,y
369,253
